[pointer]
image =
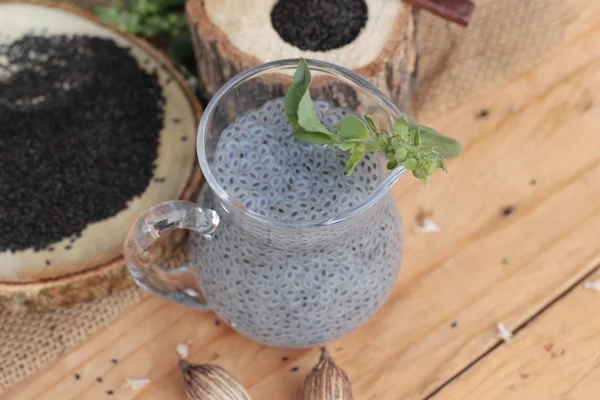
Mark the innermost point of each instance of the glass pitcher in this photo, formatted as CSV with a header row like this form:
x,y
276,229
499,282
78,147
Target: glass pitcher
x,y
286,284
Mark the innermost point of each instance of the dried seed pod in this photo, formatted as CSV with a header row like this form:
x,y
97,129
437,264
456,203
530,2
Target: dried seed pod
x,y
210,382
327,381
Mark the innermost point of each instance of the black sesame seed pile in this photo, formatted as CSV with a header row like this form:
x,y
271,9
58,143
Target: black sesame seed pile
x,y
79,133
319,25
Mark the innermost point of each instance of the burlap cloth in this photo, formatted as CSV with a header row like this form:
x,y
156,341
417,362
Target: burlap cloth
x,y
505,38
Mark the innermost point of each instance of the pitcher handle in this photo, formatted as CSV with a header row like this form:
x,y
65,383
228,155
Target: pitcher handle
x,y
176,284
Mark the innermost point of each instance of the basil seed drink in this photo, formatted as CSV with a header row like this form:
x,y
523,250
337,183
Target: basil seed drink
x,y
296,239
314,285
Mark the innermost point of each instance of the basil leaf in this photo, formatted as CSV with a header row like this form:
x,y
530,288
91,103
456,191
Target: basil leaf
x,y
411,163
417,139
372,146
401,154
355,157
353,128
307,117
313,137
418,148
300,112
295,92
345,146
447,146
371,123
392,164
401,126
439,162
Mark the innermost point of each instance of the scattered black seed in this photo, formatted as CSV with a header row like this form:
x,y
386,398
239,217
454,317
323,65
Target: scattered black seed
x,y
68,247
319,25
114,361
109,392
168,80
160,180
47,262
99,379
294,369
50,248
454,324
176,120
184,138
217,322
77,377
284,359
83,112
146,61
508,210
483,113
52,328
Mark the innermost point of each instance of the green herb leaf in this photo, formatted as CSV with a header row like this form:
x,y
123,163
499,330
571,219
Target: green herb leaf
x,y
401,154
411,163
439,162
352,128
392,164
417,139
418,148
371,123
300,112
345,146
447,146
147,18
401,126
313,137
108,15
307,117
357,154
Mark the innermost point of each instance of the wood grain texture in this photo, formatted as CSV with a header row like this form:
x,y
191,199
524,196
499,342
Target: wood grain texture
x,y
536,151
219,57
85,279
554,357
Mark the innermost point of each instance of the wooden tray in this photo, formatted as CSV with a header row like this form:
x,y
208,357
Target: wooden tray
x,y
99,280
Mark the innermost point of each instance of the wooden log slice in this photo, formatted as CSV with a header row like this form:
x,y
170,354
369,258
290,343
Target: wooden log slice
x,y
93,267
231,36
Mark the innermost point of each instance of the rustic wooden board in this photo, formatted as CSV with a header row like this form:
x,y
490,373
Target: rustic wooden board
x,y
554,357
98,275
542,127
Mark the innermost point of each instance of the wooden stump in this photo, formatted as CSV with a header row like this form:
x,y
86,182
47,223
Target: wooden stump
x,y
231,36
94,267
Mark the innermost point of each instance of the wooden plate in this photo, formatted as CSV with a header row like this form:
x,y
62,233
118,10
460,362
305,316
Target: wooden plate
x,y
231,36
97,269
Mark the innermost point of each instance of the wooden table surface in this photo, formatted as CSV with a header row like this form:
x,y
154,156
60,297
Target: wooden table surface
x,y
537,154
